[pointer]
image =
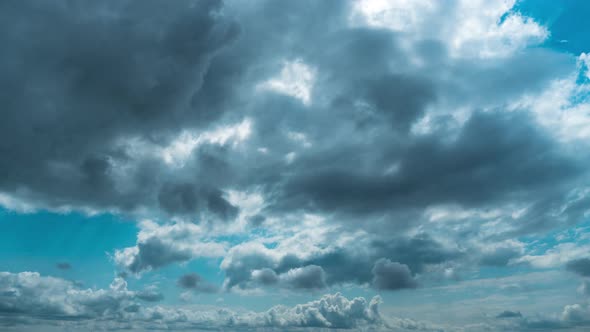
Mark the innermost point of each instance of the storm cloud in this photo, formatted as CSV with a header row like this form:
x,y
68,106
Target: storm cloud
x,y
101,73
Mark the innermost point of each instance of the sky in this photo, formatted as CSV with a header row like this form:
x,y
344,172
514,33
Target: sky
x,y
274,165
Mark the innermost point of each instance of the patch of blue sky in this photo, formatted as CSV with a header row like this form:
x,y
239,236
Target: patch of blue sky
x,y
39,241
165,279
539,244
566,20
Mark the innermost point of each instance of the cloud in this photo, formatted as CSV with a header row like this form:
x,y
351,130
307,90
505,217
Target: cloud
x,y
184,167
411,129
568,253
481,29
63,266
36,299
161,245
576,313
144,66
452,172
359,260
150,294
330,311
186,199
31,295
307,277
388,275
195,282
295,80
579,266
265,276
509,314
584,288
333,311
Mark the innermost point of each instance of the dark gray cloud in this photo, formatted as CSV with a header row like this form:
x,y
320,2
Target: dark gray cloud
x,y
369,95
154,254
63,265
196,282
307,277
471,171
69,100
580,266
265,276
247,267
199,65
509,314
187,199
352,264
390,275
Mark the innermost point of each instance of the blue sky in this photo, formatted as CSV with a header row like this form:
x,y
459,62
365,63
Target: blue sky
x,y
357,165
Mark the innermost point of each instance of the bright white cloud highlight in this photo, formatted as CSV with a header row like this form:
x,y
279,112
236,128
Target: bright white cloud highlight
x,y
179,150
296,79
470,28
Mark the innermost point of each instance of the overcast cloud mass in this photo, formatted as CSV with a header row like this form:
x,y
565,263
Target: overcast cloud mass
x,y
373,165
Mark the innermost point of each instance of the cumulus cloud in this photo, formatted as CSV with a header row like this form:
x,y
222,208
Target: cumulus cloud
x,y
307,277
576,313
330,311
359,259
31,296
392,275
195,282
333,311
161,245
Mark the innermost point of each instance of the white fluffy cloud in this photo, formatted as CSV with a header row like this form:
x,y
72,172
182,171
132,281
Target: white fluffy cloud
x,y
470,28
556,256
564,106
35,296
30,296
160,245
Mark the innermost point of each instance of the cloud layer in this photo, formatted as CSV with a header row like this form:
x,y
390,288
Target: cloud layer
x,y
29,297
